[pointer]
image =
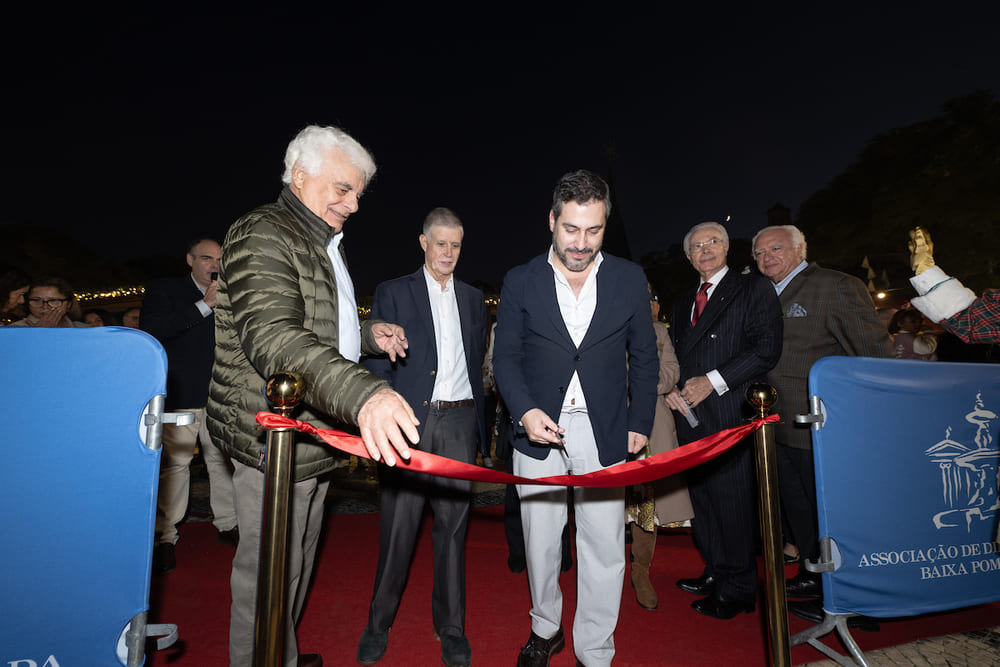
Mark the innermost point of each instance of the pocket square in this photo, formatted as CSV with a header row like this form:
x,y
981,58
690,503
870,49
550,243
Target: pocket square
x,y
795,310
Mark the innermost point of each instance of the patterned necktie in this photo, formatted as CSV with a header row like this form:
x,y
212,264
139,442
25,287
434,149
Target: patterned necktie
x,y
700,299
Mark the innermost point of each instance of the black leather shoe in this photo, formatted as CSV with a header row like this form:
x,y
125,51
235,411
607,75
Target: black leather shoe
x,y
804,585
703,585
164,561
455,651
537,652
372,646
310,660
721,607
812,611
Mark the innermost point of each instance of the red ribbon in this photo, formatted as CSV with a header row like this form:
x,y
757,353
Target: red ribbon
x,y
623,474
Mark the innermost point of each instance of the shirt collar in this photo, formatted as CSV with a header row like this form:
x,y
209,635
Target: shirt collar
x,y
598,260
779,286
433,284
716,277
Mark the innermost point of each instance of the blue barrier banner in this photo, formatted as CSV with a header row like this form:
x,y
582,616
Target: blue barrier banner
x,y
77,491
907,481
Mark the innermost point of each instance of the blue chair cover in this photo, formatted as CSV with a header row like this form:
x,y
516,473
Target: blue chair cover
x,y
77,490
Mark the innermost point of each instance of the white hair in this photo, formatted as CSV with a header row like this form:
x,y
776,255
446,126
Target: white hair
x,y
705,225
310,148
798,238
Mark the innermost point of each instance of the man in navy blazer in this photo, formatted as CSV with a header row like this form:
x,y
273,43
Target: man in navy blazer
x,y
180,313
726,334
575,361
442,379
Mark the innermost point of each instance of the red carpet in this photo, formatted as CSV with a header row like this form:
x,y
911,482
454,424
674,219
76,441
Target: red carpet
x,y
196,598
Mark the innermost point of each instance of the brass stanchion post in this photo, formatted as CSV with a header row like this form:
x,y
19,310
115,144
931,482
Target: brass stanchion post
x,y
762,397
284,390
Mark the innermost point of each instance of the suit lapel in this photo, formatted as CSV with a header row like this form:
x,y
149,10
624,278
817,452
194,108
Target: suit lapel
x,y
422,301
722,297
607,286
546,283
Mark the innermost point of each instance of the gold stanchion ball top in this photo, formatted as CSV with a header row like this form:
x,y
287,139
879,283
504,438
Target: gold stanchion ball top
x,y
761,396
285,389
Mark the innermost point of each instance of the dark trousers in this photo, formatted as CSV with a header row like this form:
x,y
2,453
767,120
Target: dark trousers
x,y
450,433
725,520
797,487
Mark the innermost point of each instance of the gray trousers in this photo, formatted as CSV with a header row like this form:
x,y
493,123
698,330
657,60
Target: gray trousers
x,y
175,477
305,524
600,544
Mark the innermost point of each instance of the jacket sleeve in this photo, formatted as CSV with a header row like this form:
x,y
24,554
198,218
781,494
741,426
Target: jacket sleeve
x,y
383,309
165,317
643,361
260,269
508,350
670,368
854,324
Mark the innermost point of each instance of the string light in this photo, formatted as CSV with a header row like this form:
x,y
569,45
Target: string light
x,y
139,290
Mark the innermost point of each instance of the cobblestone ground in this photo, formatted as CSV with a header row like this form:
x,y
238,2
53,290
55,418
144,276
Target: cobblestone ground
x,y
972,649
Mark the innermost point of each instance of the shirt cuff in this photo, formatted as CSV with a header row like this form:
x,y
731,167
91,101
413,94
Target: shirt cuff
x,y
717,382
203,307
924,282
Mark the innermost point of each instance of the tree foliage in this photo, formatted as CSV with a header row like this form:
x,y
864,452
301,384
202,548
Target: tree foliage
x,y
942,174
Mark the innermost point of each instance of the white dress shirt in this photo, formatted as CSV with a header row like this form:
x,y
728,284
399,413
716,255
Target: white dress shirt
x,y
577,312
348,325
451,379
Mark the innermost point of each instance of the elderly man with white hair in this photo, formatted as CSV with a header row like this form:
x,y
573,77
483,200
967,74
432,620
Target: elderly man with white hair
x,y
285,302
825,313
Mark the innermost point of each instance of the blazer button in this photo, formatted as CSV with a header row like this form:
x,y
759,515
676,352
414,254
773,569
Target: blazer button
x,y
433,372
562,390
425,404
576,358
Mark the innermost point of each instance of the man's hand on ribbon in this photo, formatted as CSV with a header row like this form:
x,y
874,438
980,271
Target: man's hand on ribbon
x,y
387,422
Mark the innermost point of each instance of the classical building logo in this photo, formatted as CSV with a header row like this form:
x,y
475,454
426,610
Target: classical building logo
x,y
969,473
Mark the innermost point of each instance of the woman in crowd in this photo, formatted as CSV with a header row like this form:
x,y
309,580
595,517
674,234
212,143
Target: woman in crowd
x,y
98,317
13,287
50,301
665,502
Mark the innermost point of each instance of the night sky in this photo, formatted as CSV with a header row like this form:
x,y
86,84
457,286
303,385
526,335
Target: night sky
x,y
136,132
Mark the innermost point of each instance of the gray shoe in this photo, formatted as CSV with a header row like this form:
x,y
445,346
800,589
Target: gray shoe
x,y
455,651
372,646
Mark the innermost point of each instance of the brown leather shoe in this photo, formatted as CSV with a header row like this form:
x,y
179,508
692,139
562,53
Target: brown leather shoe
x,y
537,652
310,660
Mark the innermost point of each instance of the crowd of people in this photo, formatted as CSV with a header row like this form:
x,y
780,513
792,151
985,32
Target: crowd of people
x,y
584,372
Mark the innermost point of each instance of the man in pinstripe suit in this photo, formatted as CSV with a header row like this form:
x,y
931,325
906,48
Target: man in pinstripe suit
x,y
825,313
727,334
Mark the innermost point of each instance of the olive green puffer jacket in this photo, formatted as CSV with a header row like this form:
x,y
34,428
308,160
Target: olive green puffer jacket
x,y
277,310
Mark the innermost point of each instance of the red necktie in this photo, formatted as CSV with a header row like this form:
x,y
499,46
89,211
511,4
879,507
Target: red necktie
x,y
700,299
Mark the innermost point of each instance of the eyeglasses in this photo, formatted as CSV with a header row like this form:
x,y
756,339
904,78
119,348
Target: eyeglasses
x,y
711,243
774,250
38,301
